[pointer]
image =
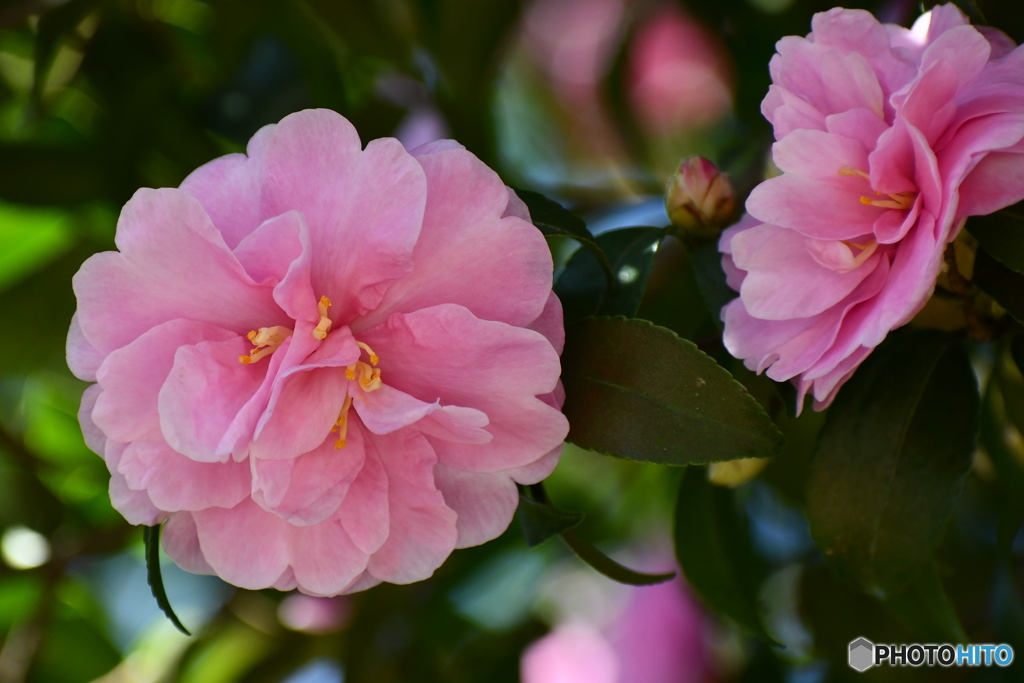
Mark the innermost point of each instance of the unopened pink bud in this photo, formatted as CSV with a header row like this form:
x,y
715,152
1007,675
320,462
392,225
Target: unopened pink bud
x,y
699,199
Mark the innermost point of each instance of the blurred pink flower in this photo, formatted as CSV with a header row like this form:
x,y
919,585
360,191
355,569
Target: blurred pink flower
x,y
658,637
324,366
679,77
313,615
887,139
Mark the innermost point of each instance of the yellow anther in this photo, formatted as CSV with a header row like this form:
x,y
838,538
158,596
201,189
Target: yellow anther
x,y
265,342
341,424
324,325
847,170
350,372
374,358
901,201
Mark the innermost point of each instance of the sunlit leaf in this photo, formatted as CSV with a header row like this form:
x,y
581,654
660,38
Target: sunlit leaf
x,y
891,460
638,391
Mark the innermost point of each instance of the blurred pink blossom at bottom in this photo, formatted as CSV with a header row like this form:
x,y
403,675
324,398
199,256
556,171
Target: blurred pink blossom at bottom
x,y
658,637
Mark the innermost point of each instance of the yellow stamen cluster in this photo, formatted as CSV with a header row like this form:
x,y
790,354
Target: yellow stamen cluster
x,y
324,325
368,376
901,201
265,342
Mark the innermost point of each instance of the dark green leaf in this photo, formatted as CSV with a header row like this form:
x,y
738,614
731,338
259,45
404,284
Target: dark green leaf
x,y
1004,285
637,391
585,291
707,266
924,608
995,411
1002,235
891,460
151,537
609,567
714,551
542,521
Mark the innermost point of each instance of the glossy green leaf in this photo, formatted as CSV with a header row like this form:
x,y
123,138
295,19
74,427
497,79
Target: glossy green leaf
x,y
585,291
151,537
541,521
707,266
714,551
638,391
1002,235
1003,284
609,567
892,458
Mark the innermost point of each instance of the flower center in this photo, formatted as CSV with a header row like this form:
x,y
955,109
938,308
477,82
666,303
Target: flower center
x,y
265,341
901,201
368,377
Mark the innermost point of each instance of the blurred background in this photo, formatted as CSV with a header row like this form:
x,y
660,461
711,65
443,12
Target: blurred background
x,y
592,102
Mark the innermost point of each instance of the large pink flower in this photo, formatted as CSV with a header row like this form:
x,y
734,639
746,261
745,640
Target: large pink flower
x,y
324,366
887,139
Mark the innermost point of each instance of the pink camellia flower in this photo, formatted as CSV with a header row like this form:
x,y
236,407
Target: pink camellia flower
x,y
324,366
887,139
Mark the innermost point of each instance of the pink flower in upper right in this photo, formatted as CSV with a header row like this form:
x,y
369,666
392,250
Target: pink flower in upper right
x,y
887,139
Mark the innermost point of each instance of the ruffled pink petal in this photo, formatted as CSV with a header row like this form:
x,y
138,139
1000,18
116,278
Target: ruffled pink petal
x,y
365,511
203,394
135,506
995,183
306,401
180,541
94,437
229,189
165,239
816,208
387,410
467,253
364,208
484,502
83,358
816,154
860,124
252,548
277,253
175,482
131,378
550,323
445,353
310,488
784,280
423,532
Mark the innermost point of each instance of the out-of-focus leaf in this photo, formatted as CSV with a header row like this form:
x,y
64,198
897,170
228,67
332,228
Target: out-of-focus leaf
x,y
29,238
609,567
637,391
51,177
52,28
996,411
542,521
707,266
1002,235
714,551
19,595
585,291
1004,285
924,608
151,537
891,460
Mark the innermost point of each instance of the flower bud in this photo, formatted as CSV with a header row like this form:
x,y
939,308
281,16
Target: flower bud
x,y
699,199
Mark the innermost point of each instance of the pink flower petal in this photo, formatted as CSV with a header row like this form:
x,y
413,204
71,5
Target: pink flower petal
x,y
484,502
175,482
422,527
445,353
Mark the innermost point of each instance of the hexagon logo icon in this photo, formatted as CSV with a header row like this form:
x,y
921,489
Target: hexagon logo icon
x,y
862,654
